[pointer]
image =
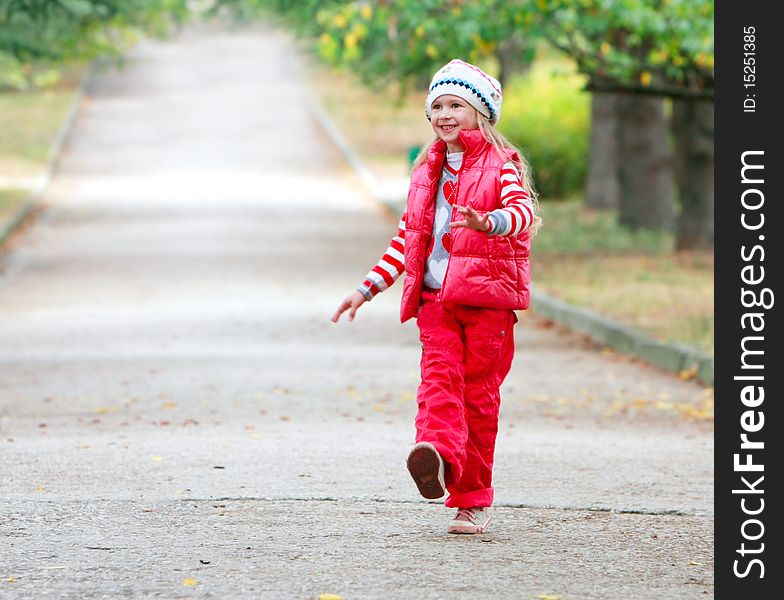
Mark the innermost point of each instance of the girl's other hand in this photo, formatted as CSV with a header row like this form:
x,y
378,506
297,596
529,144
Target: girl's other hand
x,y
472,219
351,303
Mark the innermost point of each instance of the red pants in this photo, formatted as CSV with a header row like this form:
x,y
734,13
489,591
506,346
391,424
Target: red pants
x,y
466,354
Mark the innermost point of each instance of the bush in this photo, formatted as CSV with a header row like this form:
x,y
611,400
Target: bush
x,y
547,116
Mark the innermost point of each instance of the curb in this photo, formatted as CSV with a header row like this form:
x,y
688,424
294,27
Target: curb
x,y
671,357
45,178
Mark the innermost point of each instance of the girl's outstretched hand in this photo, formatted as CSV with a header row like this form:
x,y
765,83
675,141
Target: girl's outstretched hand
x,y
472,219
351,303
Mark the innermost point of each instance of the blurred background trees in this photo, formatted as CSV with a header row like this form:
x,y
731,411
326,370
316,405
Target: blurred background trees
x,y
39,37
644,146
647,63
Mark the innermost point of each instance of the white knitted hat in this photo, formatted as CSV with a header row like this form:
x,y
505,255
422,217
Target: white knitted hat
x,y
470,83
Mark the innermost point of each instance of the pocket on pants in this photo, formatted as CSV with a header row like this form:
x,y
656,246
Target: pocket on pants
x,y
486,330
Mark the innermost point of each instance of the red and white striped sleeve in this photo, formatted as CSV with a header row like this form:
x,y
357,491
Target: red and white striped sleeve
x,y
389,268
517,213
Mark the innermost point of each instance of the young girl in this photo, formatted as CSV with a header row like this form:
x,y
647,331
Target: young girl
x,y
463,243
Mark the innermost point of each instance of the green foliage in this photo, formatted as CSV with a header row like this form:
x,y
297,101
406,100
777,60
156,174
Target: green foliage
x,y
547,116
37,36
401,40
661,47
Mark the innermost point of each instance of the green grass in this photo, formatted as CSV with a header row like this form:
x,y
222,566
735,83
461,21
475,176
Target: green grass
x,y
10,201
569,228
582,257
29,122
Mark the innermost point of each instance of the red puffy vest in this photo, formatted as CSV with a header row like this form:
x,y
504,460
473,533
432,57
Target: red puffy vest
x,y
483,270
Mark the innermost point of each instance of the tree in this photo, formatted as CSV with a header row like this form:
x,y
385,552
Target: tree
x,y
405,40
53,33
640,48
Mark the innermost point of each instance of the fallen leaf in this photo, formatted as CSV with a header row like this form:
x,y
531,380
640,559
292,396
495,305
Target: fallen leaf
x,y
38,488
330,597
547,597
378,408
694,563
405,397
156,458
10,580
687,374
168,404
189,582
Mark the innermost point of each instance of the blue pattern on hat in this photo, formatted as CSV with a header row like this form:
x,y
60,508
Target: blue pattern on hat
x,y
464,83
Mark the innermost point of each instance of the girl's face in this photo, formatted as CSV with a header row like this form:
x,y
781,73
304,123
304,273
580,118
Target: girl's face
x,y
450,114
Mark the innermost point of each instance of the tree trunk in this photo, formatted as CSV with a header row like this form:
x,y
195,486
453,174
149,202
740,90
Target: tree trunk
x,y
512,55
692,125
646,167
602,189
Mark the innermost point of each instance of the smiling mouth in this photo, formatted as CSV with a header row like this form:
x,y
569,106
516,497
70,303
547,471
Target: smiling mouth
x,y
448,128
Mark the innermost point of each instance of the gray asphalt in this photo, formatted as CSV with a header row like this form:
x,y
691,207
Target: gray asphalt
x,y
179,417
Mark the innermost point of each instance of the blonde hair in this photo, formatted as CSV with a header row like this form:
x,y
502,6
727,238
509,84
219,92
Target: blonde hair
x,y
499,143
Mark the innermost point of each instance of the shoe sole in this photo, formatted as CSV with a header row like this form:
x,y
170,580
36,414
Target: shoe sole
x,y
426,469
467,529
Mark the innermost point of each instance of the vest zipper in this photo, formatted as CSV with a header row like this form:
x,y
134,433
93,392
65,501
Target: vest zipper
x,y
449,257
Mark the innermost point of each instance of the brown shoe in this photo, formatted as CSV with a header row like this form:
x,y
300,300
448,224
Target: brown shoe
x,y
427,468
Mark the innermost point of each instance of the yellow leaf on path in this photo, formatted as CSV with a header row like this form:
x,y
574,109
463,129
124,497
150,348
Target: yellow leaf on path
x,y
378,408
406,397
10,580
330,597
547,597
168,404
694,563
38,488
687,374
189,581
156,458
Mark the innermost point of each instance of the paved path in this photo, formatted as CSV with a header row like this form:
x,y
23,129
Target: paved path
x,y
179,417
